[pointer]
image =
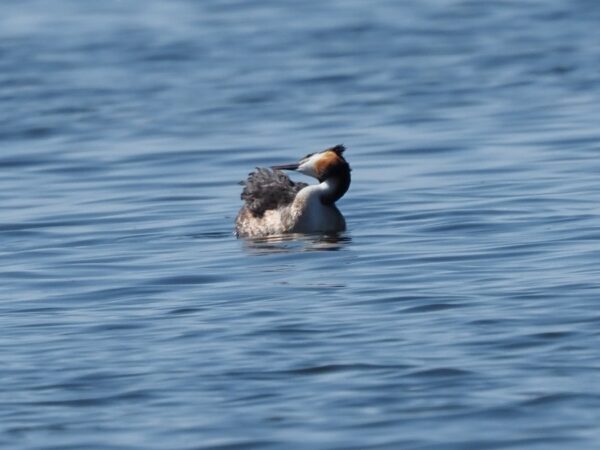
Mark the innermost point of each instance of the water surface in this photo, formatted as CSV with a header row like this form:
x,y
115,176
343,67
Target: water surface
x,y
459,310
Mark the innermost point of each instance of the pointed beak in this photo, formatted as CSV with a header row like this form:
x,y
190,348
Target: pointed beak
x,y
292,166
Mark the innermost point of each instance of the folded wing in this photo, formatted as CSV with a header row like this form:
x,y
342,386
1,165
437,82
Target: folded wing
x,y
267,189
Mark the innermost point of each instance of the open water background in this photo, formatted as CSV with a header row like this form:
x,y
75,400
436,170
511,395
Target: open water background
x,y
459,311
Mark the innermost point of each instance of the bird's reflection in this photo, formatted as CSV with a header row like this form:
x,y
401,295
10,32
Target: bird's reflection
x,y
292,243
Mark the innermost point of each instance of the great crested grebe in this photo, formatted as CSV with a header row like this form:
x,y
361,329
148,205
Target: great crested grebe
x,y
274,204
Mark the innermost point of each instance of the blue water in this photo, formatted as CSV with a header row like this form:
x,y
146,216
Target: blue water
x,y
459,310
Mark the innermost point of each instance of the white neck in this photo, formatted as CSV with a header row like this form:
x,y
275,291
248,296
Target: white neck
x,y
318,191
310,213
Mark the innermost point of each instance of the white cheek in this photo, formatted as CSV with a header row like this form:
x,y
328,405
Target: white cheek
x,y
307,169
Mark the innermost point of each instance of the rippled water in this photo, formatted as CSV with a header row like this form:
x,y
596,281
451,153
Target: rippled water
x,y
459,310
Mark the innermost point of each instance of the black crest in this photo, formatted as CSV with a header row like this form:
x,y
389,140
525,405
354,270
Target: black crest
x,y
338,149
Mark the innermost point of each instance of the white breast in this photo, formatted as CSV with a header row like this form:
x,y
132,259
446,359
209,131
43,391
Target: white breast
x,y
311,215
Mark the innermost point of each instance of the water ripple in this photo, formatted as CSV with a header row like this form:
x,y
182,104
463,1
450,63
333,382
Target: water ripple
x,y
457,311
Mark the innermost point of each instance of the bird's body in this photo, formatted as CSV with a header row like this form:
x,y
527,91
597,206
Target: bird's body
x,y
274,204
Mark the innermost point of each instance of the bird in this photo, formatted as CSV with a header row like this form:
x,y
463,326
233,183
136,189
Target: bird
x,y
276,205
